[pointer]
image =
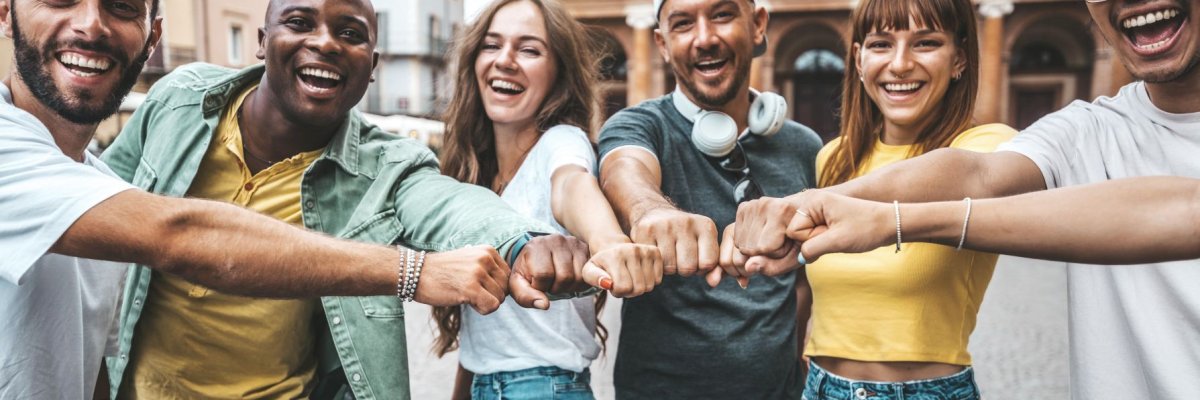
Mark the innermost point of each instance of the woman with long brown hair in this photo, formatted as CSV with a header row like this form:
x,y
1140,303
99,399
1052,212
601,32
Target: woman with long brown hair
x,y
894,323
525,93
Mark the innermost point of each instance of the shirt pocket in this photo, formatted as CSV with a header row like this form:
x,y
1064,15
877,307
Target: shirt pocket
x,y
382,228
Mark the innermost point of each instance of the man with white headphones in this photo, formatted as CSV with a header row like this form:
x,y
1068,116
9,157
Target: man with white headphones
x,y
675,169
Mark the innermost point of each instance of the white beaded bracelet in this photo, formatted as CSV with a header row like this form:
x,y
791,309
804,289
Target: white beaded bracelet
x,y
966,219
896,204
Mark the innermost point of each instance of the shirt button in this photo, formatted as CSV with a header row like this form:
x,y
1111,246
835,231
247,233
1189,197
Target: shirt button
x,y
337,320
356,377
860,393
137,302
123,357
309,204
249,186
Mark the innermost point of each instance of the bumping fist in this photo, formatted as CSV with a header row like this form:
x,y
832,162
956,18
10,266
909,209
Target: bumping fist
x,y
688,242
548,264
475,275
626,270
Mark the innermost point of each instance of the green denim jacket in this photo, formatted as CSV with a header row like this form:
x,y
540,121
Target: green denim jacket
x,y
368,186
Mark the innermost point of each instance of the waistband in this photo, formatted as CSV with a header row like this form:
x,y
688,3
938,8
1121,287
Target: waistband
x,y
536,371
827,384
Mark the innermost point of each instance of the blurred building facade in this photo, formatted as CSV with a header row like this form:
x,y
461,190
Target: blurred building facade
x,y
414,39
1037,56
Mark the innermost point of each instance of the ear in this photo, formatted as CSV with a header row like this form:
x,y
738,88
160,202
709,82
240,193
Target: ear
x,y
155,33
662,45
261,54
6,18
761,16
374,60
960,61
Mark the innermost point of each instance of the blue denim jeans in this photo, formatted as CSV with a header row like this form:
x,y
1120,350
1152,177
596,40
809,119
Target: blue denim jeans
x,y
549,383
823,385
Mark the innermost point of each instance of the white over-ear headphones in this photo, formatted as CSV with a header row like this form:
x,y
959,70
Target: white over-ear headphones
x,y
715,134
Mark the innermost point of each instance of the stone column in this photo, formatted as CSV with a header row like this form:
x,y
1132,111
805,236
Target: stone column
x,y
640,84
989,104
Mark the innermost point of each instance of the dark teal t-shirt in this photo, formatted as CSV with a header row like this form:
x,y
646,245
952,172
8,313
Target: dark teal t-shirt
x,y
684,340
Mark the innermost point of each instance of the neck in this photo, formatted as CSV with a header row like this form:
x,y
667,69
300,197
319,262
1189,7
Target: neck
x,y
70,137
513,142
270,134
896,135
1177,96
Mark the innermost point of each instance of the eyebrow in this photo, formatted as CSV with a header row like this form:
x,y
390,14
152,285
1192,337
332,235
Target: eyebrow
x,y
918,33
303,9
522,38
677,13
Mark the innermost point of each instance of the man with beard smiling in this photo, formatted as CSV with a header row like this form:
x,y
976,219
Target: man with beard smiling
x,y
282,139
62,212
1134,329
676,340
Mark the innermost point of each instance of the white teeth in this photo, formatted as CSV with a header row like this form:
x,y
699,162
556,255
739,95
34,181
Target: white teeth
x,y
77,60
1149,18
709,63
506,85
320,73
902,87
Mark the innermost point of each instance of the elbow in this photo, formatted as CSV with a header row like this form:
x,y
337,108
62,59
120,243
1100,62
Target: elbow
x,y
176,231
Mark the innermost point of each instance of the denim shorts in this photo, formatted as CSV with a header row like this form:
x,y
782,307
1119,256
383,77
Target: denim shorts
x,y
550,383
823,385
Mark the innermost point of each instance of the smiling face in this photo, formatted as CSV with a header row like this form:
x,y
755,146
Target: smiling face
x,y
515,68
1158,40
710,45
319,56
906,73
80,58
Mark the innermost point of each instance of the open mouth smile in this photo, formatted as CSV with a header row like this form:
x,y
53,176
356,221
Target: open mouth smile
x,y
506,87
84,66
1154,32
319,80
902,90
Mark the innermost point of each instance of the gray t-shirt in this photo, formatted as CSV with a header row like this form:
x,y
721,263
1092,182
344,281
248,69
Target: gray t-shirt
x,y
684,340
1135,329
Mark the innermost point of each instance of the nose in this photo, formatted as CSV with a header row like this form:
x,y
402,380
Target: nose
x,y
91,24
506,59
902,62
706,35
323,41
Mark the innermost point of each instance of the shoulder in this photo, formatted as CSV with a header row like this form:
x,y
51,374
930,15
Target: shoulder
x,y
649,113
827,150
565,134
983,138
188,82
389,149
802,133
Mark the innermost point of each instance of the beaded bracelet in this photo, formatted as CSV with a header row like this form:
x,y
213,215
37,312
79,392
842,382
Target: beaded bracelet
x,y
400,266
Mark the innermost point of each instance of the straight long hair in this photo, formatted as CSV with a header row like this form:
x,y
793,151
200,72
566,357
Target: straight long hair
x,y
469,152
863,122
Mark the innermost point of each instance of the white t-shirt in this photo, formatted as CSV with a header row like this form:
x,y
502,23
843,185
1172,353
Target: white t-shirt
x,y
515,338
1135,330
58,312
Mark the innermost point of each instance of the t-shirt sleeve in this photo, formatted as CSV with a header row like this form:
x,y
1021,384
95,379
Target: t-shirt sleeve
x,y
632,127
42,193
567,145
984,138
1052,142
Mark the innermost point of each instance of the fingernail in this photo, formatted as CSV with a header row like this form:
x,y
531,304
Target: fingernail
x,y
606,283
800,259
541,304
743,282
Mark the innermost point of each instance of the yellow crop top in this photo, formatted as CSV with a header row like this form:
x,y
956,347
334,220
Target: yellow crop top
x,y
916,305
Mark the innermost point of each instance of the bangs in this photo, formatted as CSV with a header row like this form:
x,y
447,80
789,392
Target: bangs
x,y
898,15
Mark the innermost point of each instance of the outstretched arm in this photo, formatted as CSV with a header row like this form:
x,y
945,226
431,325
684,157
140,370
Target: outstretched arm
x,y
241,252
580,206
947,174
1126,221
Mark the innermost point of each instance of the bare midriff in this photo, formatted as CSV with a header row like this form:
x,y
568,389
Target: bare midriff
x,y
890,371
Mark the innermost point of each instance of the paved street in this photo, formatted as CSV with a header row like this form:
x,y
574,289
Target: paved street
x,y
1020,345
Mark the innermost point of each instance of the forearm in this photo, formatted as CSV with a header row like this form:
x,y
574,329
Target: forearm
x,y
1117,222
580,206
228,248
632,189
946,174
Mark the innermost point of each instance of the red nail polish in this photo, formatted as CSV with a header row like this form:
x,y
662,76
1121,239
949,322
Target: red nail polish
x,y
606,283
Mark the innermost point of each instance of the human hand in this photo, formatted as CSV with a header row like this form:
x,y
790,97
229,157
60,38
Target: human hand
x,y
474,275
762,226
736,264
826,223
688,242
548,264
630,269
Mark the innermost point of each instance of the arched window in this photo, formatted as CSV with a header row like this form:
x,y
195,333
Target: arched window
x,y
1038,55
819,61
